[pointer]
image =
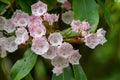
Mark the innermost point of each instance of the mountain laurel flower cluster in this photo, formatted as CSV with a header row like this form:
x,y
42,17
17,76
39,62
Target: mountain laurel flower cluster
x,y
45,41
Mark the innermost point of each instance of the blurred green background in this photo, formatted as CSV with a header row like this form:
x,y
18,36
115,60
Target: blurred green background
x,y
102,63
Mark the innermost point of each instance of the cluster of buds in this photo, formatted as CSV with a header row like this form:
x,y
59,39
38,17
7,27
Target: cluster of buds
x,y
51,46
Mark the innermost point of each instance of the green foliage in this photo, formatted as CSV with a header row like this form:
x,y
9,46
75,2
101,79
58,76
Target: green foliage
x,y
66,75
22,67
86,10
106,13
79,73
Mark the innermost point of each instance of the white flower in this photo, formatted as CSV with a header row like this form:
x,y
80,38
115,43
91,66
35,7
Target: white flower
x,y
57,70
60,61
2,22
39,8
55,39
40,45
67,17
10,44
21,35
51,53
91,40
75,57
65,50
9,27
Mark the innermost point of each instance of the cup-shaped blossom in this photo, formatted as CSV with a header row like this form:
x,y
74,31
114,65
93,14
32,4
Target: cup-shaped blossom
x,y
57,70
51,53
67,17
34,21
51,18
39,8
55,39
2,22
9,27
101,36
75,25
10,44
20,19
37,30
65,50
75,57
91,40
60,61
40,45
21,35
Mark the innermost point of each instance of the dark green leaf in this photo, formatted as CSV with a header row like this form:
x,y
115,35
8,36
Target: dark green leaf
x,y
86,10
106,13
22,67
67,33
79,73
66,75
25,7
2,7
51,3
6,1
28,77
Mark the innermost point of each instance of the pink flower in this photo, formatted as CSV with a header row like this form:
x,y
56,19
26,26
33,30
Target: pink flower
x,y
51,53
66,5
39,8
57,70
9,26
60,61
3,52
84,33
85,25
75,57
34,21
65,50
40,45
51,18
55,39
21,19
76,26
21,35
91,40
2,22
37,30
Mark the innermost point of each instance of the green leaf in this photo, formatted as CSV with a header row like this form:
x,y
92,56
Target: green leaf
x,y
6,1
51,3
2,8
28,77
79,73
66,75
67,33
106,13
86,10
22,67
25,6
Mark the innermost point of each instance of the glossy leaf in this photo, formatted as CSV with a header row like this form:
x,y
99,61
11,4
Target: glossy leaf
x,y
6,1
66,75
28,77
25,6
86,10
67,33
22,67
106,13
79,73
